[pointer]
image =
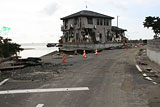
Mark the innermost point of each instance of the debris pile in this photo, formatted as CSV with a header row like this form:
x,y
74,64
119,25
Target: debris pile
x,y
29,62
30,69
12,64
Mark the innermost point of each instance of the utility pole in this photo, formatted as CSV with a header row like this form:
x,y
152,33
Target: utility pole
x,y
86,4
117,21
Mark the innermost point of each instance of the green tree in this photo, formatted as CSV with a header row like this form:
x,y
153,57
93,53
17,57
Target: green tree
x,y
7,48
154,23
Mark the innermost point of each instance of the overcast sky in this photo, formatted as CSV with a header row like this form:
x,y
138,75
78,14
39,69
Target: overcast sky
x,y
33,21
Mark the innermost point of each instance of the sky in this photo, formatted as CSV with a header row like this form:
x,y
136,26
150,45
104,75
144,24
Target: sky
x,y
38,21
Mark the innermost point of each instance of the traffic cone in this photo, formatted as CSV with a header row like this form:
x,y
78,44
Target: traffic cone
x,y
127,47
96,52
139,46
84,54
64,59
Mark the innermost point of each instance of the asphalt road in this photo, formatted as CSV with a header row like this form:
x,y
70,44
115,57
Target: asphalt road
x,y
111,77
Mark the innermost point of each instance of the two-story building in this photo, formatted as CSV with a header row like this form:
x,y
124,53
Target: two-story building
x,y
87,27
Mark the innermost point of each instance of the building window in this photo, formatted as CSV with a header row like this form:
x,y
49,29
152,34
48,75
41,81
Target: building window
x,y
90,20
97,21
101,22
100,35
75,21
106,22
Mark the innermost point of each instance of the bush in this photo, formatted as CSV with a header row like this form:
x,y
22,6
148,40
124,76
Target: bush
x,y
7,48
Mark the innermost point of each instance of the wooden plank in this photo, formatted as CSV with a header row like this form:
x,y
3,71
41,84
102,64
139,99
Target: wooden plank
x,y
11,67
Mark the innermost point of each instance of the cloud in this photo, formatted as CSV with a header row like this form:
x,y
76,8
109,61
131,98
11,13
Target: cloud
x,y
126,4
148,2
117,4
50,9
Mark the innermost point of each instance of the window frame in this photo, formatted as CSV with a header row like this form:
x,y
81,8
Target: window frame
x,y
90,20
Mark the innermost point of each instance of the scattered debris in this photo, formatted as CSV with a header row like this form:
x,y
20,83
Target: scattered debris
x,y
144,75
154,83
152,75
139,69
148,78
149,69
142,63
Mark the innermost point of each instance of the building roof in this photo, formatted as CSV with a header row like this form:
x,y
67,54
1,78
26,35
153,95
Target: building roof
x,y
87,13
115,28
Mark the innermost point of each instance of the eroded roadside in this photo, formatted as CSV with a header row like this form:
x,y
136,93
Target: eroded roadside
x,y
150,71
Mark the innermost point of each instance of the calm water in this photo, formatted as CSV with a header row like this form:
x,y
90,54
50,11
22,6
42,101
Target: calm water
x,y
35,50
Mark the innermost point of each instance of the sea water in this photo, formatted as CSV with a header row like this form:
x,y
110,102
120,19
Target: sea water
x,y
35,50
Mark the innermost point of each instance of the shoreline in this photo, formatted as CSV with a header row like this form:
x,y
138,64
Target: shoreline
x,y
49,54
28,48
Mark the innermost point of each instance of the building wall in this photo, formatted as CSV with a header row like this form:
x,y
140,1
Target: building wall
x,y
153,50
83,22
103,29
70,22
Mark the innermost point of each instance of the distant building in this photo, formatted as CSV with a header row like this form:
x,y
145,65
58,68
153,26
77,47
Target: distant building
x,y
88,27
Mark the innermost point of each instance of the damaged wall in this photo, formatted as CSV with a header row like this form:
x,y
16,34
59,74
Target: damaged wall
x,y
73,27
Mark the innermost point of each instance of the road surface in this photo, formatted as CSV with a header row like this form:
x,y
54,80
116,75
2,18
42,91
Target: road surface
x,y
111,77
